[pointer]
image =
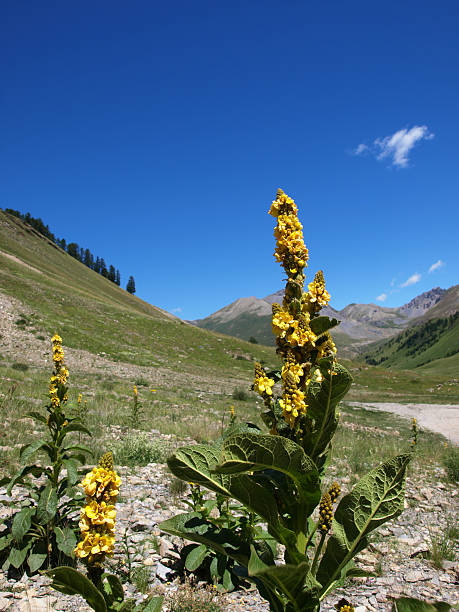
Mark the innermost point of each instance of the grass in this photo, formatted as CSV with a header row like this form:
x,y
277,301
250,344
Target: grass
x,y
450,461
187,598
443,543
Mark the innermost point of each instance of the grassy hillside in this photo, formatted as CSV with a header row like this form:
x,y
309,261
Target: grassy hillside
x,y
56,292
420,345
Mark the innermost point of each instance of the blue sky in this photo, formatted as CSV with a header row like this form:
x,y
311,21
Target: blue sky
x,y
157,135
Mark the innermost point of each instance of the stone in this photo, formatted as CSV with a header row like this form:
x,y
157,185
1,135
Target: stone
x,y
163,572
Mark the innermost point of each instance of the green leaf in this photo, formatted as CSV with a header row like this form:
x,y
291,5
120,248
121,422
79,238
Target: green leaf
x,y
248,452
30,449
35,470
37,416
5,541
408,604
113,590
72,470
47,504
195,464
71,582
35,561
320,325
377,498
152,605
195,557
17,555
294,581
66,540
77,427
322,399
191,526
21,523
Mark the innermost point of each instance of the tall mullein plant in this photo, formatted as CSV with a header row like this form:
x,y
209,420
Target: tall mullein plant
x,y
278,475
41,532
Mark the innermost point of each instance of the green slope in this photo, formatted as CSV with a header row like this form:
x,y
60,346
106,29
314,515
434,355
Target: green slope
x,y
420,345
92,313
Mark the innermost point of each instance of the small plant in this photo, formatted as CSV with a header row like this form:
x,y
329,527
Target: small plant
x,y
21,367
142,382
135,417
42,532
279,476
141,578
201,560
137,449
451,463
102,591
443,543
178,487
240,395
189,599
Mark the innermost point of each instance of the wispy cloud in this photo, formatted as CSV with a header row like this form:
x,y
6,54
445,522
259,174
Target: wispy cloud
x,y
397,146
382,297
438,264
176,310
414,278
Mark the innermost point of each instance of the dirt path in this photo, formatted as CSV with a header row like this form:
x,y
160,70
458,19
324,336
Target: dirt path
x,y
441,418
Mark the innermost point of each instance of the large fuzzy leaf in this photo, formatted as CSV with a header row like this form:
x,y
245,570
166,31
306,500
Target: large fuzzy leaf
x,y
47,504
248,452
191,526
66,540
21,523
35,470
378,497
322,399
71,582
195,464
295,582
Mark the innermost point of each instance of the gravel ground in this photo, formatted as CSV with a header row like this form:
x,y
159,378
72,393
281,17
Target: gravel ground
x,y
441,418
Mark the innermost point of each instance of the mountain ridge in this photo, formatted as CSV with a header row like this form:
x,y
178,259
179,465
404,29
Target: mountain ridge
x,y
360,323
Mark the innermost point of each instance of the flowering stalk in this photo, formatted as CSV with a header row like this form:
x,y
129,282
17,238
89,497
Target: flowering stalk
x,y
97,519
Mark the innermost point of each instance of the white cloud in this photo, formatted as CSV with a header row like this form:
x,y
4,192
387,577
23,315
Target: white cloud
x,y
382,297
397,146
414,278
360,149
438,264
176,310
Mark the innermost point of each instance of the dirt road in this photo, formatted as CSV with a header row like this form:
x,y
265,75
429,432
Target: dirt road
x,y
441,418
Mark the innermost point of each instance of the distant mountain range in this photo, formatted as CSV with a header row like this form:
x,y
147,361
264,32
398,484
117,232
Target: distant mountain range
x,y
361,324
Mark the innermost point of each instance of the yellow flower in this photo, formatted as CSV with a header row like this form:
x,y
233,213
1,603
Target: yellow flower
x,y
281,322
56,339
295,369
135,391
301,335
263,385
101,484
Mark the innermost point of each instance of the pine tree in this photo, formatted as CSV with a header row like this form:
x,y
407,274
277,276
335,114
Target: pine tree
x,y
103,268
112,274
130,287
118,278
97,266
87,258
73,249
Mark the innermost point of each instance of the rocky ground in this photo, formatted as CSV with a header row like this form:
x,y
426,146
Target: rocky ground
x,y
397,555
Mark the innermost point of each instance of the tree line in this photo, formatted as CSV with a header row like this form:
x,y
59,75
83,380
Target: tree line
x,y
72,248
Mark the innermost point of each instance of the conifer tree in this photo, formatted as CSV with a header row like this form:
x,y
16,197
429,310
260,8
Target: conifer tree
x,y
97,265
73,250
118,278
112,274
130,287
103,268
87,258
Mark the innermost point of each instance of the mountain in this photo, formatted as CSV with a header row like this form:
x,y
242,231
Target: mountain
x,y
419,345
360,325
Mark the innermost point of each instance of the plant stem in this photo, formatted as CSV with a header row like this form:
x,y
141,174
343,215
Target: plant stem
x,y
318,551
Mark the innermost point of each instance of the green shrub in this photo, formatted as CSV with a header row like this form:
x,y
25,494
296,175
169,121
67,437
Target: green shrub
x,y
240,395
21,367
189,599
138,449
451,463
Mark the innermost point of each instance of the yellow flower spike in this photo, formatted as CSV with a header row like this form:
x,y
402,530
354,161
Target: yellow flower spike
x,y
135,391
